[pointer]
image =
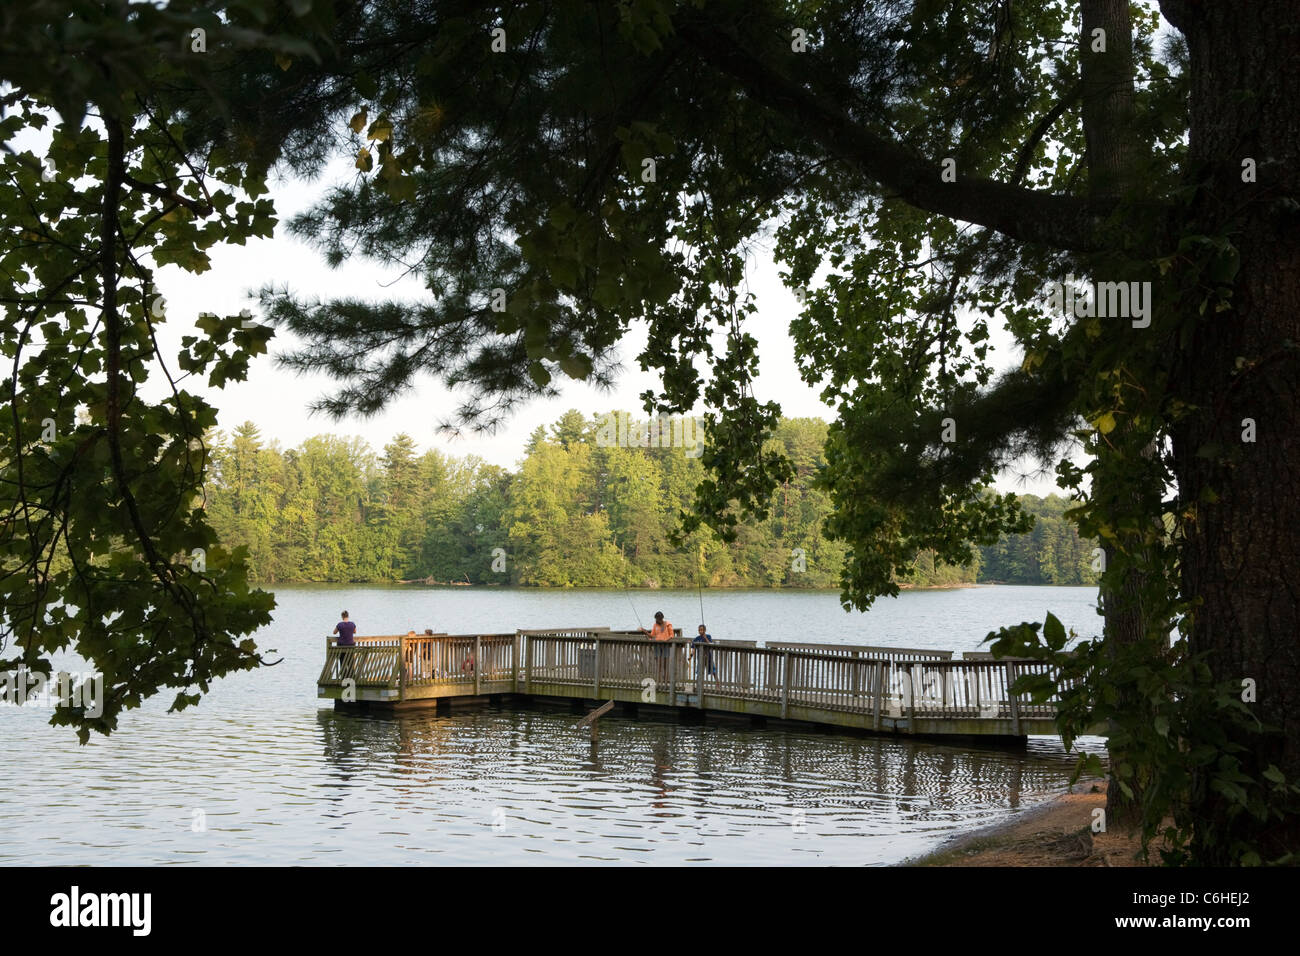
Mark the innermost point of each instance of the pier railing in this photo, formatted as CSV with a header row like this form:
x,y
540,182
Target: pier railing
x,y
851,685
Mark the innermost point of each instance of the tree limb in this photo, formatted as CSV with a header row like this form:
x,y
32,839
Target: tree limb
x,y
202,210
1041,129
1027,215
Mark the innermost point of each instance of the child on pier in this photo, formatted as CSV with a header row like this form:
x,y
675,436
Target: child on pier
x,y
705,638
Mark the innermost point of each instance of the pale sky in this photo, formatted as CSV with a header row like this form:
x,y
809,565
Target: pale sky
x,y
278,401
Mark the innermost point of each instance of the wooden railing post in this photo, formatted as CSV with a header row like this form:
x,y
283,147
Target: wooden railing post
x,y
879,695
672,672
785,684
478,663
528,664
1011,697
595,676
911,700
401,665
514,662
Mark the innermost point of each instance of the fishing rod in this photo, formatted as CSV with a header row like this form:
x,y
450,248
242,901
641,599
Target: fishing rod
x,y
629,600
699,586
699,589
633,606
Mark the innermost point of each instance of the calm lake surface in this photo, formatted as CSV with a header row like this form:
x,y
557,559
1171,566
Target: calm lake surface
x,y
276,777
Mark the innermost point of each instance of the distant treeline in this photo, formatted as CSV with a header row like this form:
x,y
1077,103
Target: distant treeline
x,y
581,510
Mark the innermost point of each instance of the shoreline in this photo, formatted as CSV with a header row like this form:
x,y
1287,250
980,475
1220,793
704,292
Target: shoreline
x,y
1057,832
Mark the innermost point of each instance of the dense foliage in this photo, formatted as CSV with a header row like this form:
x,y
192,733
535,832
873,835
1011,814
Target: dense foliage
x,y
104,547
575,513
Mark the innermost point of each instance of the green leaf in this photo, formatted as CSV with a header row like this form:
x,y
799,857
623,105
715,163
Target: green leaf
x,y
1230,790
1054,632
576,366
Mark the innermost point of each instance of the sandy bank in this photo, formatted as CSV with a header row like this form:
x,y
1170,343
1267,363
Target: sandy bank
x,y
1055,833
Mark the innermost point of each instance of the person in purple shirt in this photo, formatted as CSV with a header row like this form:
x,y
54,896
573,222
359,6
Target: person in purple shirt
x,y
345,629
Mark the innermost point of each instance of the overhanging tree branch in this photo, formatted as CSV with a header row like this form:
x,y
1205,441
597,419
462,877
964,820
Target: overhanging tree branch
x,y
1041,129
1028,215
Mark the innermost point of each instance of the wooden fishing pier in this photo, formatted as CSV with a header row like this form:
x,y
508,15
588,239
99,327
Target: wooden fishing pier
x,y
874,689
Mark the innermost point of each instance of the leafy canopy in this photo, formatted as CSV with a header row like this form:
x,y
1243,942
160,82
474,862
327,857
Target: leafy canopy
x,y
105,548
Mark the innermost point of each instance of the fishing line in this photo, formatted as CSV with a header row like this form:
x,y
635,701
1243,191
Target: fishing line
x,y
627,595
633,606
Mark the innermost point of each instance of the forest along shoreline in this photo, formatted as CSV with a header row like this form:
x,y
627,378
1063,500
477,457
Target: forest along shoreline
x,y
903,586
574,513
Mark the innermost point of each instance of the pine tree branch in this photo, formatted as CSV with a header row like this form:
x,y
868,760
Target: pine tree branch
x,y
1028,215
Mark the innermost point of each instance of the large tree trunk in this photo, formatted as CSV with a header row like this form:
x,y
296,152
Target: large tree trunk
x,y
1112,153
1242,554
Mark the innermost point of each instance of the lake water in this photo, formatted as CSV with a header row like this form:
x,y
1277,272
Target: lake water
x,y
263,772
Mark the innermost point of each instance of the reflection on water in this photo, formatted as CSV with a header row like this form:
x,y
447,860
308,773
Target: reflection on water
x,y
492,784
259,774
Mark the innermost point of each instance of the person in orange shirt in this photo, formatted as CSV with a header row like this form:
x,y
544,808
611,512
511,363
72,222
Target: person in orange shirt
x,y
661,632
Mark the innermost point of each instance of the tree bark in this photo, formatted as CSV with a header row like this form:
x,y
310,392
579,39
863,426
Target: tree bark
x,y
1242,552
